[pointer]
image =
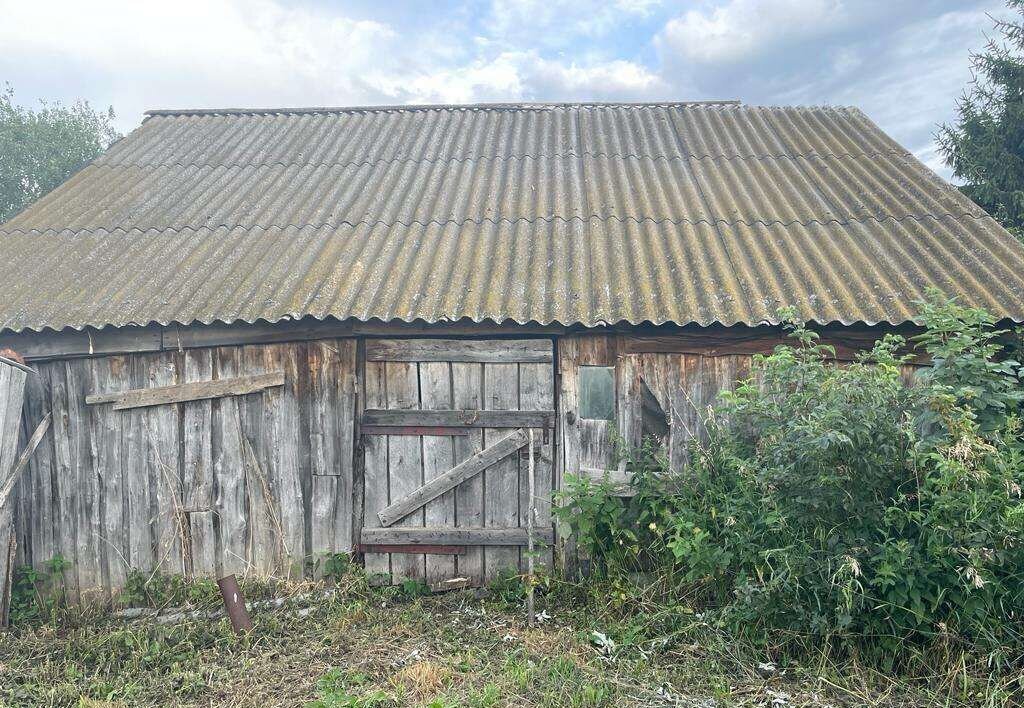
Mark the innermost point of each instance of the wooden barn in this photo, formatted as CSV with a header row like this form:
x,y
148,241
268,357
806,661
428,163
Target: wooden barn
x,y
268,336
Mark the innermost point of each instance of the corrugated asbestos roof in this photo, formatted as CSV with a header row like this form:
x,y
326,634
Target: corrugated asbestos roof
x,y
569,213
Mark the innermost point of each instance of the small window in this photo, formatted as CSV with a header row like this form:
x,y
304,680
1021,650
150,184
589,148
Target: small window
x,y
597,392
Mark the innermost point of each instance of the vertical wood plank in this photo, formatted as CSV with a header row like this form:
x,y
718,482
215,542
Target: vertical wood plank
x,y
134,453
467,394
331,520
160,430
65,483
537,392
405,462
331,405
39,481
569,437
87,494
375,470
438,455
266,538
106,448
281,406
231,521
197,467
501,480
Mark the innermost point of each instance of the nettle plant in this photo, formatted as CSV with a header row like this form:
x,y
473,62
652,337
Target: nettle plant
x,y
837,500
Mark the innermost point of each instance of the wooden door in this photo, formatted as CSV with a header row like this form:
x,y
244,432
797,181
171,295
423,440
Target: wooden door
x,y
445,435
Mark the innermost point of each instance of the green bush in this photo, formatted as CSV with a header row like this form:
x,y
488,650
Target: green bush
x,y
838,503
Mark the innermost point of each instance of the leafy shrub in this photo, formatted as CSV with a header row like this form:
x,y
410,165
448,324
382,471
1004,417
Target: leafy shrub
x,y
839,503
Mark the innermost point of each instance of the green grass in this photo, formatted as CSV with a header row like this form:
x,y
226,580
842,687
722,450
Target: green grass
x,y
362,647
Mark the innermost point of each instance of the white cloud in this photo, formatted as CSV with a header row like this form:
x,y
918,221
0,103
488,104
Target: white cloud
x,y
526,76
741,29
560,22
211,53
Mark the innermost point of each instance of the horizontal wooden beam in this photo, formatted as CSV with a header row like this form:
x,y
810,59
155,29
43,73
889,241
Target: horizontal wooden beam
x,y
461,350
460,419
411,548
453,477
412,430
619,479
200,390
465,536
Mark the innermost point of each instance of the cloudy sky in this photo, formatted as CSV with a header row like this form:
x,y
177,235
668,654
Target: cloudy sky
x,y
904,62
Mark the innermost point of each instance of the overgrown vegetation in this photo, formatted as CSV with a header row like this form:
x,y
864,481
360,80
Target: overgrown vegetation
x,y
835,509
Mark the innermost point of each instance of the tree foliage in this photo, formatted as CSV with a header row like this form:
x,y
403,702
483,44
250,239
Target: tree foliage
x,y
985,145
41,148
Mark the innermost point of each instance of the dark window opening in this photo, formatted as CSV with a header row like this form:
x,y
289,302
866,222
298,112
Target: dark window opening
x,y
654,421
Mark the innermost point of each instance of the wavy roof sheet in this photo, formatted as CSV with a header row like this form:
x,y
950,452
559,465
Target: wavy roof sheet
x,y
570,213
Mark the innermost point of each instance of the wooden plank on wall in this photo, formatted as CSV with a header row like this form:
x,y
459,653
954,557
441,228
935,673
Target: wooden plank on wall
x,y
229,469
405,461
501,480
192,391
105,438
331,403
282,410
448,479
465,418
501,539
197,467
537,390
162,465
375,472
459,350
438,453
467,392
331,520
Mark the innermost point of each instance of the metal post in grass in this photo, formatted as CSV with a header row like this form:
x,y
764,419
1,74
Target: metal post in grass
x,y
234,604
531,509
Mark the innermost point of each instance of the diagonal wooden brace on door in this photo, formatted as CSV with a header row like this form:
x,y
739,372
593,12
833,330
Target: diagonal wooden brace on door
x,y
453,477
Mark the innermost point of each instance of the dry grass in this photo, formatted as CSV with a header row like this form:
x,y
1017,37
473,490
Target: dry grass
x,y
360,647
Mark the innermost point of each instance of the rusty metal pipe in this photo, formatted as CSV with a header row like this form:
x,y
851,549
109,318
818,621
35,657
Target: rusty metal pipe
x,y
234,604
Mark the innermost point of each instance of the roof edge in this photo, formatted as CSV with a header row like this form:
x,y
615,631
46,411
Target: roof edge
x,y
412,107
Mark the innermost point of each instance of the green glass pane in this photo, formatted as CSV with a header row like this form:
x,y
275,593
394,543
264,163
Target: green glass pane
x,y
597,392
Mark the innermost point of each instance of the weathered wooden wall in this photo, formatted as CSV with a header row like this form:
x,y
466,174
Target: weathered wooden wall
x,y
269,482
258,483
685,374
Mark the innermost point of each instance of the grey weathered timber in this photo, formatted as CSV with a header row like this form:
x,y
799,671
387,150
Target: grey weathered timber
x,y
10,478
503,539
44,346
537,390
207,486
466,418
197,469
460,350
438,452
501,480
467,392
445,481
12,387
331,402
193,391
375,472
405,460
